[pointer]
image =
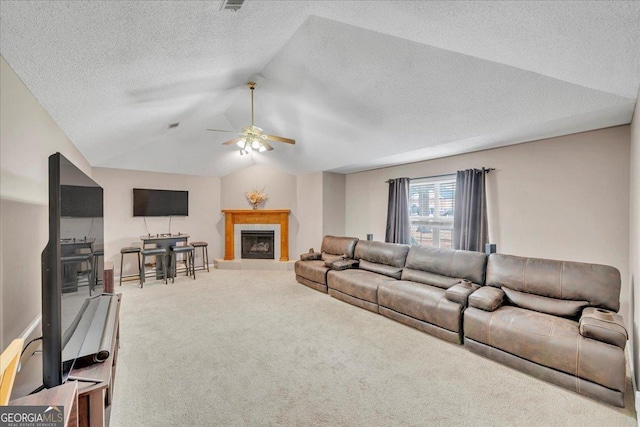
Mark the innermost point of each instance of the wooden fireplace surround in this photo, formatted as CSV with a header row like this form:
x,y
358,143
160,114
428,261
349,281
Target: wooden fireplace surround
x,y
252,216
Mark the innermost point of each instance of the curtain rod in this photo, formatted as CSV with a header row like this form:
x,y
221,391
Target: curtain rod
x,y
444,174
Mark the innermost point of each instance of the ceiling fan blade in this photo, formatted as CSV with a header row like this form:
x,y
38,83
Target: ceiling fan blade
x,y
220,130
267,145
281,139
232,141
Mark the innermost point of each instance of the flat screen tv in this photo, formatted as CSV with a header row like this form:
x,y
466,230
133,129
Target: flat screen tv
x,y
160,202
75,228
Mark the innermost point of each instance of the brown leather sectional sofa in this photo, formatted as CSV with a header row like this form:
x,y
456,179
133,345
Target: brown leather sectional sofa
x,y
556,320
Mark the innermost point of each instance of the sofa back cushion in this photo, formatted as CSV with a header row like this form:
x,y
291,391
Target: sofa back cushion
x,y
381,257
332,245
555,306
428,278
597,284
450,263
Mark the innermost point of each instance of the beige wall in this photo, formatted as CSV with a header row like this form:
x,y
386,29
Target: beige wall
x,y
560,198
281,188
121,228
634,240
309,193
333,206
28,136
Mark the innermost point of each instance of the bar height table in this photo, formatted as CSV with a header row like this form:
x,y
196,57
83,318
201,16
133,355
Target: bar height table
x,y
164,241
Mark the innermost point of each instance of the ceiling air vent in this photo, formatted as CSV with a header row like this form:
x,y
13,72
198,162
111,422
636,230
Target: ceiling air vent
x,y
234,5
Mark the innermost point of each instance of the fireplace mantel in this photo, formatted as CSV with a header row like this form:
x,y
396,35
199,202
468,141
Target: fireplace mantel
x,y
256,216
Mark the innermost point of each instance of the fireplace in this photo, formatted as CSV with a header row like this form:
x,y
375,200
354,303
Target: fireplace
x,y
236,220
257,244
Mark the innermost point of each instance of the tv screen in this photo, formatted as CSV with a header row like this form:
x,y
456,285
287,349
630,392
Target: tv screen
x,y
81,201
160,202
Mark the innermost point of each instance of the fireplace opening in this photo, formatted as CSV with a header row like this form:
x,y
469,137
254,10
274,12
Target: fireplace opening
x,y
257,244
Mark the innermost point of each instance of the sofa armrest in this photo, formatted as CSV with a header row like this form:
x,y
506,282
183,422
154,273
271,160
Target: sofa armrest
x,y
311,256
460,292
487,298
344,264
603,325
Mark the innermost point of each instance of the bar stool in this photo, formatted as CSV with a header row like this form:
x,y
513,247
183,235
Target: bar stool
x,y
205,254
123,252
96,263
157,252
78,259
188,261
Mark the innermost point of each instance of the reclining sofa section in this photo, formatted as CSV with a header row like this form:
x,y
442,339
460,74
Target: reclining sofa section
x,y
311,269
431,294
555,320
378,263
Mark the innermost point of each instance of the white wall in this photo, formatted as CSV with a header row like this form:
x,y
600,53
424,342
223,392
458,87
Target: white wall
x,y
28,136
280,187
121,228
634,240
560,198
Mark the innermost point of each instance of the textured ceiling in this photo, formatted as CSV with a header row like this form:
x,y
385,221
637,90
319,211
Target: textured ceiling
x,y
358,84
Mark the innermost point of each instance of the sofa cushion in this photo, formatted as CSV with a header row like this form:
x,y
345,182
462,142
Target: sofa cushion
x,y
450,263
598,284
547,340
338,245
428,278
387,270
312,270
557,307
392,254
361,284
422,302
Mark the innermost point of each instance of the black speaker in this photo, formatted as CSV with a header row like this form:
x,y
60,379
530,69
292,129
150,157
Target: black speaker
x,y
490,248
369,236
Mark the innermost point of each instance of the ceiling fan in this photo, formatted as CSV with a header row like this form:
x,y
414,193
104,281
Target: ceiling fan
x,y
252,138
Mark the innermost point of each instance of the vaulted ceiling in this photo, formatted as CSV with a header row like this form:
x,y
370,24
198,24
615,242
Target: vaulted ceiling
x,y
358,84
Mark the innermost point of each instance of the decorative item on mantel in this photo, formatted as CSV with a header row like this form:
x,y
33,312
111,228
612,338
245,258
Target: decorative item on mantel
x,y
256,197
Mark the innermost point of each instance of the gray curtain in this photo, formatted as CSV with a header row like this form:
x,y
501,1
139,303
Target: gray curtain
x,y
470,213
398,223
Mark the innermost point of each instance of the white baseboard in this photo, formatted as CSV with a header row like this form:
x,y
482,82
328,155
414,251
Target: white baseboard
x,y
31,328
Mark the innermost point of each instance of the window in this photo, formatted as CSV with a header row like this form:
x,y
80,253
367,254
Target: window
x,y
431,204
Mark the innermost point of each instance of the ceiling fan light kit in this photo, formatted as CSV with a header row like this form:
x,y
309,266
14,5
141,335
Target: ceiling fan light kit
x,y
252,138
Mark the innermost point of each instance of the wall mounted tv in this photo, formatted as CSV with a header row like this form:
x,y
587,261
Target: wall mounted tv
x,y
160,202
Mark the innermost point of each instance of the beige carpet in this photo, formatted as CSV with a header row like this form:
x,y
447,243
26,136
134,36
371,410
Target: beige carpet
x,y
237,348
